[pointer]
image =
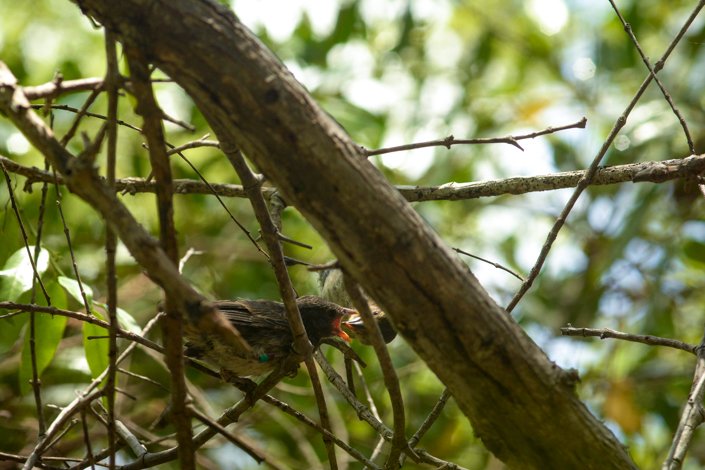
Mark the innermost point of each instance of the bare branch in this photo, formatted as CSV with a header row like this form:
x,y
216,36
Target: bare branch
x,y
652,171
693,415
112,80
172,326
653,71
592,170
603,333
56,88
391,381
450,140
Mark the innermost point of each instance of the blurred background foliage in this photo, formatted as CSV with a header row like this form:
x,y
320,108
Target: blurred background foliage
x,y
631,256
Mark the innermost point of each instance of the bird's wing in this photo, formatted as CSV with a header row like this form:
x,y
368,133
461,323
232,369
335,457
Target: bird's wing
x,y
260,314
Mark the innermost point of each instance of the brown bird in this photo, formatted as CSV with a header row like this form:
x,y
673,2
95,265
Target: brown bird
x,y
359,331
264,325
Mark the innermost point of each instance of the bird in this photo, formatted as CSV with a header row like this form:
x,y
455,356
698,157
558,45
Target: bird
x,y
330,282
264,325
358,330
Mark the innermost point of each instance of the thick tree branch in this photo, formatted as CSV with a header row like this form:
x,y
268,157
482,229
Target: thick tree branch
x,y
522,406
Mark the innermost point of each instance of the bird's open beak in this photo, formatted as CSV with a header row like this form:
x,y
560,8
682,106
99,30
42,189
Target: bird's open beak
x,y
339,332
354,321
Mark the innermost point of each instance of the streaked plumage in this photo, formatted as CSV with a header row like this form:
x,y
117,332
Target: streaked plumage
x,y
264,325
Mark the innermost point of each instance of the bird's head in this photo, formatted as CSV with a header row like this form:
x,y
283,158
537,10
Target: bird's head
x,y
358,330
322,319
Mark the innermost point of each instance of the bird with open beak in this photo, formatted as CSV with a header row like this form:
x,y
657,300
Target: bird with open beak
x,y
332,288
264,325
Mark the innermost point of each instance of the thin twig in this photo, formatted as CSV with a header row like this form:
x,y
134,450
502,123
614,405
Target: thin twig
x,y
301,344
54,89
194,144
653,71
80,113
69,245
87,438
391,381
431,418
692,416
256,454
36,382
16,210
173,326
496,265
586,180
72,314
603,333
240,225
72,109
142,377
112,79
450,140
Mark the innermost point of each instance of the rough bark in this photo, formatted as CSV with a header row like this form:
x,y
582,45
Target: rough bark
x,y
522,406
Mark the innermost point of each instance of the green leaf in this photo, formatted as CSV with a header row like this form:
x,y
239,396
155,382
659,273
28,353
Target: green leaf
x,y
48,331
96,349
10,330
694,251
72,287
125,320
18,273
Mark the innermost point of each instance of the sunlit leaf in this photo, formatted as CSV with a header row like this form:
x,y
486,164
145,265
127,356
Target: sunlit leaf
x,y
73,288
17,273
127,321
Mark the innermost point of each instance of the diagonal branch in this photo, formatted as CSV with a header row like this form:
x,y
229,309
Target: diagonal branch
x,y
592,170
653,71
693,415
82,179
270,233
493,369
391,381
173,329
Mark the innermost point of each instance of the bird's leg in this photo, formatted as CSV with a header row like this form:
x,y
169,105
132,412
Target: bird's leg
x,y
251,396
242,383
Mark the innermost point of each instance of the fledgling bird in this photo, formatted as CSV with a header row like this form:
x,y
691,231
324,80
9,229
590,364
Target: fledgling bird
x,y
332,288
264,325
357,328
